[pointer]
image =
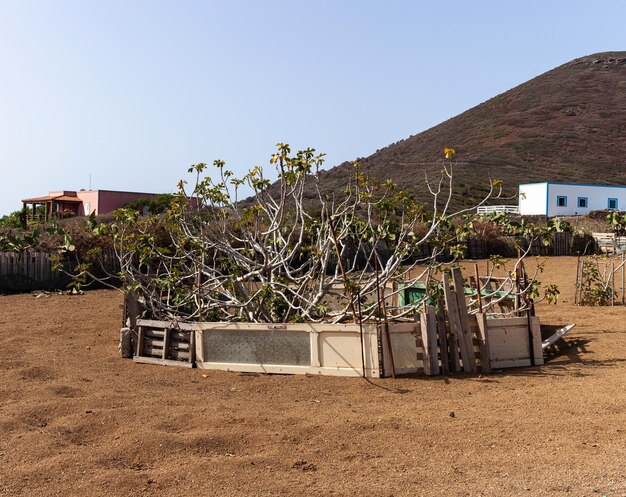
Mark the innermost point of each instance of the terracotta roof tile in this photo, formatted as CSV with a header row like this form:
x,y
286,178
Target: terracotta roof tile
x,y
48,198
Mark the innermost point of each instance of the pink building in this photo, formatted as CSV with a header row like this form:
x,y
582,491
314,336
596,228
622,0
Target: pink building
x,y
82,203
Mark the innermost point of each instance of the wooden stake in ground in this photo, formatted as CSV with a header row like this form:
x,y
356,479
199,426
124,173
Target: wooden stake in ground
x,y
428,324
622,264
580,286
358,296
522,285
132,310
612,282
381,303
483,343
478,295
443,339
577,279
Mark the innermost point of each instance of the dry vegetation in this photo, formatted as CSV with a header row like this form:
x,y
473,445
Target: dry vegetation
x,y
78,420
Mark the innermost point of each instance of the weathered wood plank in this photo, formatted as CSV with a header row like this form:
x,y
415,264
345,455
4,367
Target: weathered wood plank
x,y
152,351
464,319
453,350
536,336
454,321
432,336
166,340
152,342
138,345
180,345
368,328
483,343
428,324
151,333
162,362
443,340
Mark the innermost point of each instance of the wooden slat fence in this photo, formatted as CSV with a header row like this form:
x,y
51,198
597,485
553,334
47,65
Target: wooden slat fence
x,y
28,271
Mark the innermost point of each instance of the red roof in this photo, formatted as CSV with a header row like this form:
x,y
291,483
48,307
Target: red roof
x,y
48,198
67,198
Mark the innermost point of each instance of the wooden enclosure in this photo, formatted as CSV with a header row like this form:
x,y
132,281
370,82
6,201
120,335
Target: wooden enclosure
x,y
442,339
335,349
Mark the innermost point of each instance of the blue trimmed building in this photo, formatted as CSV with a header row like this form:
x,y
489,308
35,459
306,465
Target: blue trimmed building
x,y
569,199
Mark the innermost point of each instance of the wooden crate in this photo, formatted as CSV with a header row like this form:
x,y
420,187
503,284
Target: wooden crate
x,y
160,342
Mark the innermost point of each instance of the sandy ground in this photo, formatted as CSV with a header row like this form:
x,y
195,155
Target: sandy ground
x,y
76,419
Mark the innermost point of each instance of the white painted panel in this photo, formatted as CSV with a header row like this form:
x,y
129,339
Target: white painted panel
x,y
335,349
532,199
508,342
340,350
407,355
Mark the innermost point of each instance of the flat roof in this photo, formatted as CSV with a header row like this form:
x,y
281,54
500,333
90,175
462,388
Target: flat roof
x,y
572,184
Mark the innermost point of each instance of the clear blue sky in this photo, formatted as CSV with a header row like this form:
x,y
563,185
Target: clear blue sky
x,y
133,92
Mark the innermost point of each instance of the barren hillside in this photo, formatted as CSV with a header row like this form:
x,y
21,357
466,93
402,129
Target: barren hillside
x,y
565,125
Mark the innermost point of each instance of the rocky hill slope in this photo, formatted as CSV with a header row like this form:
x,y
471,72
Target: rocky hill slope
x,y
568,125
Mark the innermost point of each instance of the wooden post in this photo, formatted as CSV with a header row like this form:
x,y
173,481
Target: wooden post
x,y
132,310
383,306
428,326
530,338
358,302
443,340
139,341
478,295
537,349
580,284
459,290
577,279
199,290
521,281
455,322
517,292
166,343
622,263
612,282
483,343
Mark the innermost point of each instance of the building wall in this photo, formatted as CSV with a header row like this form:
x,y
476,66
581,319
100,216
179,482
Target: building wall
x,y
106,201
533,199
597,198
90,201
543,198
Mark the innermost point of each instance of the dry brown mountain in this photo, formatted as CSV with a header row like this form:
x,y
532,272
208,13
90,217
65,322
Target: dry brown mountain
x,y
566,125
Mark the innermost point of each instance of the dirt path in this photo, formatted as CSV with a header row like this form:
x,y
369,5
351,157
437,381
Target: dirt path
x,y
77,420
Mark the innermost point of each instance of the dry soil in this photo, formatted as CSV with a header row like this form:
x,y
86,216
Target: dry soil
x,y
77,420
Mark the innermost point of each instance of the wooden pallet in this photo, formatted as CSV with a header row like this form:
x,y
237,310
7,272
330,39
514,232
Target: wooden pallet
x,y
164,344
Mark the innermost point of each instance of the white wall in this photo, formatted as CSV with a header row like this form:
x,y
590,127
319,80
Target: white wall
x,y
532,199
541,198
597,198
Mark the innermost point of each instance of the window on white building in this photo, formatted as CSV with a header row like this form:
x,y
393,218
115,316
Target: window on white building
x,y
582,202
612,203
561,201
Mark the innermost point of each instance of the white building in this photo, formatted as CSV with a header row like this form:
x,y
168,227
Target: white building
x,y
568,199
